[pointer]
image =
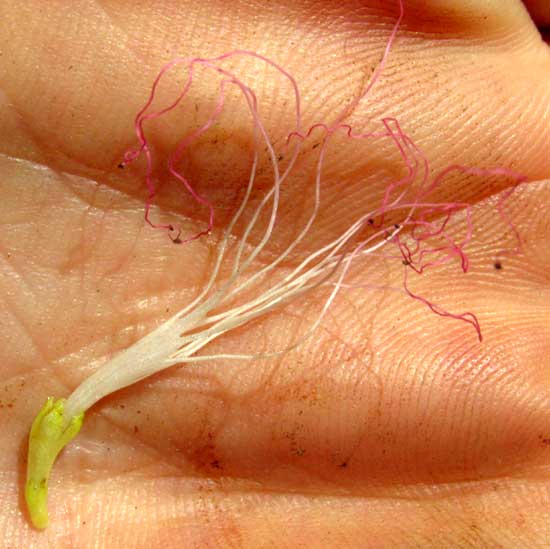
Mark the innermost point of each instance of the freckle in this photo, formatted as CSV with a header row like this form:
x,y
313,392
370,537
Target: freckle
x,y
497,265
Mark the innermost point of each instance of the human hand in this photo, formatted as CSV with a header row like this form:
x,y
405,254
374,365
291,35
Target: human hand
x,y
393,426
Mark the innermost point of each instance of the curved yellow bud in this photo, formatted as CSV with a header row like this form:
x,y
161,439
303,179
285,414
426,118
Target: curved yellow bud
x,y
50,432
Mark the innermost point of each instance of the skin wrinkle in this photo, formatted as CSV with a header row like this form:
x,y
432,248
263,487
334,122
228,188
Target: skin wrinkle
x,y
256,504
412,493
407,492
130,438
17,315
90,204
110,18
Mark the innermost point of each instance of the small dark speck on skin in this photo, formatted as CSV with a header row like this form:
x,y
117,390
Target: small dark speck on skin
x,y
343,465
136,429
497,265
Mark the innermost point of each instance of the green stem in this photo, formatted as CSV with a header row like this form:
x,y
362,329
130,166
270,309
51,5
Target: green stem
x,y
51,431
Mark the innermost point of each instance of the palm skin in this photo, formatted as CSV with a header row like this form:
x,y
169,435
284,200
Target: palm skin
x,y
392,427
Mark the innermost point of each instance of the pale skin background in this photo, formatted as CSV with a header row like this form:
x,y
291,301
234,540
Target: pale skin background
x,y
394,427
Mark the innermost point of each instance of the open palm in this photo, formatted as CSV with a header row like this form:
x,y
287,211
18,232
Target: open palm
x,y
392,426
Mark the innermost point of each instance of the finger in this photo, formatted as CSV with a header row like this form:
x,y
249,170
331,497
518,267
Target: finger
x,y
79,105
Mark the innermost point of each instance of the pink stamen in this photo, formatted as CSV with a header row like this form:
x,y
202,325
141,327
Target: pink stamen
x,y
422,236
